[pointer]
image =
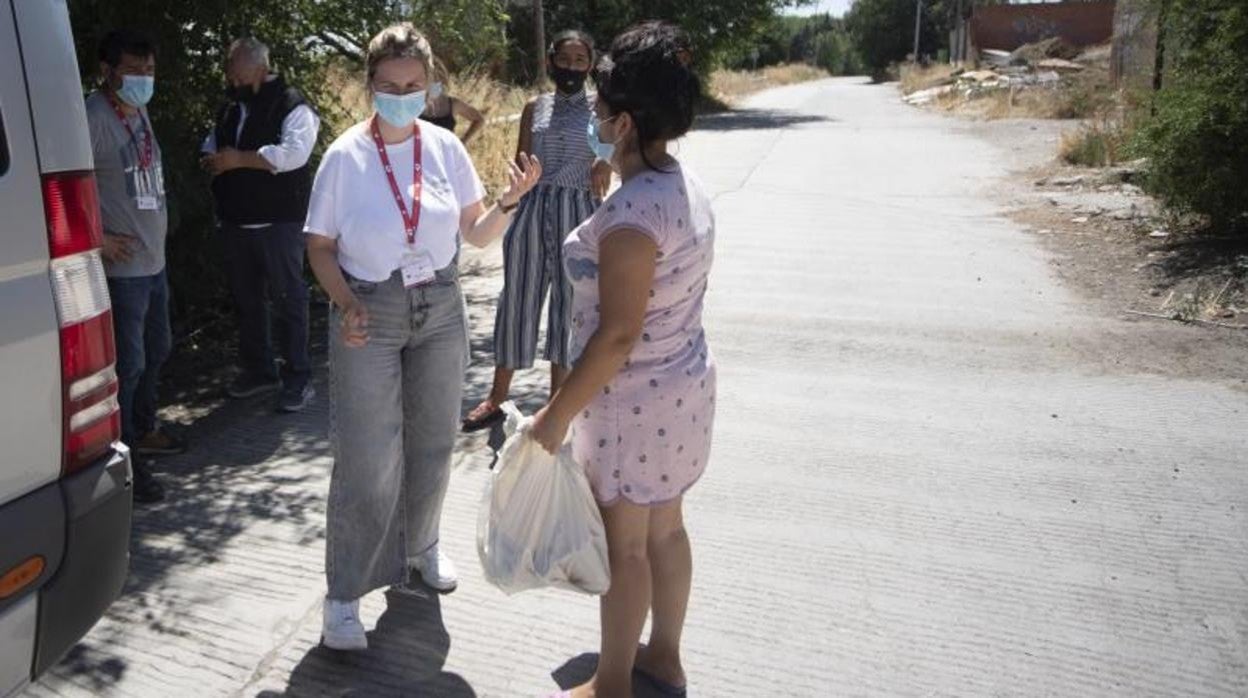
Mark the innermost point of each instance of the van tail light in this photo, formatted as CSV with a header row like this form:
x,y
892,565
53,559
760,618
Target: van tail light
x,y
91,415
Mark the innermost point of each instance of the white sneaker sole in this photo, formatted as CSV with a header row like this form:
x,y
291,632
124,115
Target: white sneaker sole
x,y
441,588
344,644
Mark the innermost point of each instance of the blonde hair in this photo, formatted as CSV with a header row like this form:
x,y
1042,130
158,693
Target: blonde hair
x,y
401,40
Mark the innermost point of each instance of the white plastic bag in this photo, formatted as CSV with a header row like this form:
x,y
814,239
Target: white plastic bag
x,y
539,524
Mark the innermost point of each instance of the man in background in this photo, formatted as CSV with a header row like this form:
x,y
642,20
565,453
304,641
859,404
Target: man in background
x,y
130,179
258,156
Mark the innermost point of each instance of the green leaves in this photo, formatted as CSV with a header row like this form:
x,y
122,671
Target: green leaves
x,y
1197,140
883,30
311,42
718,29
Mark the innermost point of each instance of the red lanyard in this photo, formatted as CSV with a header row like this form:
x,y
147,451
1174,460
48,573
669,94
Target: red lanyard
x,y
410,220
145,152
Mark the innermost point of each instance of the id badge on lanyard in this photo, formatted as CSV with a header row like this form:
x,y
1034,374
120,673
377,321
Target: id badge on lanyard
x,y
147,196
148,176
417,269
416,266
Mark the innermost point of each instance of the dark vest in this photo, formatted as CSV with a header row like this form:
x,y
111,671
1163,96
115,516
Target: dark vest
x,y
247,196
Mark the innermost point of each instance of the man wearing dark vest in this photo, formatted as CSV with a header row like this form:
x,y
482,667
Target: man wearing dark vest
x,y
258,156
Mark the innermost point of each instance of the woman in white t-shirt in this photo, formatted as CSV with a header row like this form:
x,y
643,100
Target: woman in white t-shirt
x,y
389,205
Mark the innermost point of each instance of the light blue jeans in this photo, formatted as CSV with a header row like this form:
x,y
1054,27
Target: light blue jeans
x,y
394,416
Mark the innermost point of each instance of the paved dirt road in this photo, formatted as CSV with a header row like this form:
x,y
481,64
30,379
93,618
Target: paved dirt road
x,y
930,476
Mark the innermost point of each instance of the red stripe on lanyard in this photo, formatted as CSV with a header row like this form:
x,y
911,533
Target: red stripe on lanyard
x,y
410,220
146,153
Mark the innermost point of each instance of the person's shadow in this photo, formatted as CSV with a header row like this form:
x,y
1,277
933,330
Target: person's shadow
x,y
581,668
406,653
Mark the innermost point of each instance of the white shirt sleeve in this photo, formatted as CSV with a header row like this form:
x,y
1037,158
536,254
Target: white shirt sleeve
x,y
299,130
465,181
322,206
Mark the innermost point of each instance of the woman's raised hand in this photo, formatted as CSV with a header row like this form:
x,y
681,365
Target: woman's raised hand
x,y
521,178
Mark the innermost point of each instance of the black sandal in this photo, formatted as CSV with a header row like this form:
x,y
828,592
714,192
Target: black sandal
x,y
662,687
485,421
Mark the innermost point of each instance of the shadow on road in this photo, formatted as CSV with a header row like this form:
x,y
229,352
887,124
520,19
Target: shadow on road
x,y
249,466
237,473
1194,256
581,668
756,120
405,656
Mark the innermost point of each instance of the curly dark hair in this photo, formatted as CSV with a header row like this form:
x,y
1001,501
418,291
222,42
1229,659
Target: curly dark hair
x,y
648,73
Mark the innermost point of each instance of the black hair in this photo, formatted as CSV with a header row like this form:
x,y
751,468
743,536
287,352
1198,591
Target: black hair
x,y
564,37
125,41
648,73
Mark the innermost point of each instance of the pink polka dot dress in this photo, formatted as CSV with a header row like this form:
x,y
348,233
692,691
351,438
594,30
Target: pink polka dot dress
x,y
647,436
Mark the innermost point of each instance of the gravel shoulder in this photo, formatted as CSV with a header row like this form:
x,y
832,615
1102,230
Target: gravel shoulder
x,y
1174,302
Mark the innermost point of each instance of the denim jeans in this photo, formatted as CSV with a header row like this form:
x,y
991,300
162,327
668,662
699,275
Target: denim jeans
x,y
144,340
265,268
394,416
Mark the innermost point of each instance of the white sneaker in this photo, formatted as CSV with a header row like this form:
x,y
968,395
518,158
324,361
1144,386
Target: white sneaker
x,y
342,629
436,570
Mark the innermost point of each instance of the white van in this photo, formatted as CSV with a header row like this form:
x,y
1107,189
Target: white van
x,y
65,480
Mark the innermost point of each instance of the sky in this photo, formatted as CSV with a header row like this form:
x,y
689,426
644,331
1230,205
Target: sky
x,y
835,7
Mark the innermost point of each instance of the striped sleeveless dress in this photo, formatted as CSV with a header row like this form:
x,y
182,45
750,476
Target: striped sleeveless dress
x,y
533,244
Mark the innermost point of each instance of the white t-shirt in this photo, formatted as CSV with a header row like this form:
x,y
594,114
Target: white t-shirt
x,y
353,204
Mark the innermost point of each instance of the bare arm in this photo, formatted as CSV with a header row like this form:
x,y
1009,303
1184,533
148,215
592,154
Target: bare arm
x,y
119,247
524,144
323,258
469,113
480,226
600,178
625,274
228,159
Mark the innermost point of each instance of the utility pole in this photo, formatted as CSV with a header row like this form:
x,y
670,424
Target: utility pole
x,y
539,43
918,18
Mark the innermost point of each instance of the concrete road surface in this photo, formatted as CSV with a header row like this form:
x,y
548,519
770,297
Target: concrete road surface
x,y
929,477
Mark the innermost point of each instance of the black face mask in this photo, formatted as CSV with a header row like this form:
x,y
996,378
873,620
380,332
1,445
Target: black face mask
x,y
240,93
567,80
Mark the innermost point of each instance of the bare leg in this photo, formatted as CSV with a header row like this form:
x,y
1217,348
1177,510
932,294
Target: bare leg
x,y
624,606
671,573
502,384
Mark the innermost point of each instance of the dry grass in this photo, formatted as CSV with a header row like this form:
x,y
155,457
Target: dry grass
x,y
1064,102
1207,300
495,145
1099,143
917,77
1083,95
491,149
729,86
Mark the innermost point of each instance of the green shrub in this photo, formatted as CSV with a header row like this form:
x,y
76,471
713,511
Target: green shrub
x,y
1197,140
307,37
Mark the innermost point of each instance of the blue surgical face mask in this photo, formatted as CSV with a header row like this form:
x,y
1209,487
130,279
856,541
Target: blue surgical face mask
x,y
399,110
136,90
435,90
603,151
